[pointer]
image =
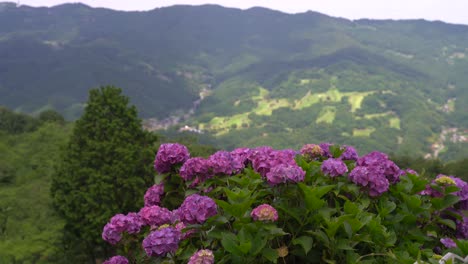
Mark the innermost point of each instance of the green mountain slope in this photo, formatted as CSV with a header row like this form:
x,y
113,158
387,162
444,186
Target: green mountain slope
x,y
265,76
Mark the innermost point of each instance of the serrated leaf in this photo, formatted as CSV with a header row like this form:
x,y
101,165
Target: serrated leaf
x,y
270,254
305,242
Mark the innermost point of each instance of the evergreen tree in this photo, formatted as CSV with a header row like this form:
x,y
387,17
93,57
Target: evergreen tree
x,y
105,169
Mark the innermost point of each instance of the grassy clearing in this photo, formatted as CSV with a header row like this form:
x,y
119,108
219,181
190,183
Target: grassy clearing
x,y
365,132
327,115
394,122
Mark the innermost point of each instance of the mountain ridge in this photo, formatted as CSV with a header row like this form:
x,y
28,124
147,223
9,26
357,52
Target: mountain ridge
x,y
164,58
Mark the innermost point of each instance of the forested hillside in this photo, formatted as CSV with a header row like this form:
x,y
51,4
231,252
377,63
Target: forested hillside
x,y
264,76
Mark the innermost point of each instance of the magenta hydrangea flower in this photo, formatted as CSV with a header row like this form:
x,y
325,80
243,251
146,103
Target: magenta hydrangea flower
x,y
155,215
168,155
284,173
350,153
116,260
154,195
264,212
448,242
196,209
162,241
221,163
311,152
203,256
334,167
199,168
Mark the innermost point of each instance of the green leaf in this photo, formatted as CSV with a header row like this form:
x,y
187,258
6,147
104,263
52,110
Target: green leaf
x,y
444,202
351,208
270,254
305,242
447,222
312,195
229,243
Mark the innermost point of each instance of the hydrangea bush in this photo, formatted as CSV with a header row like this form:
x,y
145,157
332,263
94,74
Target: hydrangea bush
x,y
322,204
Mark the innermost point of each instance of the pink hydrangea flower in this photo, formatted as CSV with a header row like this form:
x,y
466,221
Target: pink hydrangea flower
x,y
204,256
196,209
155,215
264,212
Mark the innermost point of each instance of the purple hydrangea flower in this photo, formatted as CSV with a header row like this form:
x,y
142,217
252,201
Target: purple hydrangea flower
x,y
283,173
155,215
204,256
162,241
221,163
130,223
326,149
350,153
184,234
116,260
196,209
448,242
379,164
154,194
134,223
368,177
199,168
168,155
311,152
111,235
462,228
264,159
411,171
264,212
334,167
240,159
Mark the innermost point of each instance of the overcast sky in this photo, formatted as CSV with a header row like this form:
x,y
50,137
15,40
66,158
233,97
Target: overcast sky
x,y
452,11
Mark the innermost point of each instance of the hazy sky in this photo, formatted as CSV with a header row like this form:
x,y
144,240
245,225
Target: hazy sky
x,y
453,11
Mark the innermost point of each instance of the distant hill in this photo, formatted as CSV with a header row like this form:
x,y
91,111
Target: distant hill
x,y
266,77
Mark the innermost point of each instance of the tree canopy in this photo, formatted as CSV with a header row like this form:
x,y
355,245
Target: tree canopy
x,y
105,169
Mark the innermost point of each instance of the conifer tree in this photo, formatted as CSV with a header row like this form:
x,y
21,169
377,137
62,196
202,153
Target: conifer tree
x,y
105,169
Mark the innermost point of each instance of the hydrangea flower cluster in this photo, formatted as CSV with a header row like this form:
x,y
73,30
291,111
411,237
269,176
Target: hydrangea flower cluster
x,y
284,173
198,168
350,153
204,256
448,242
334,167
155,215
265,158
221,163
264,212
168,155
130,223
311,152
162,241
375,172
196,209
326,149
442,180
154,194
240,159
116,260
